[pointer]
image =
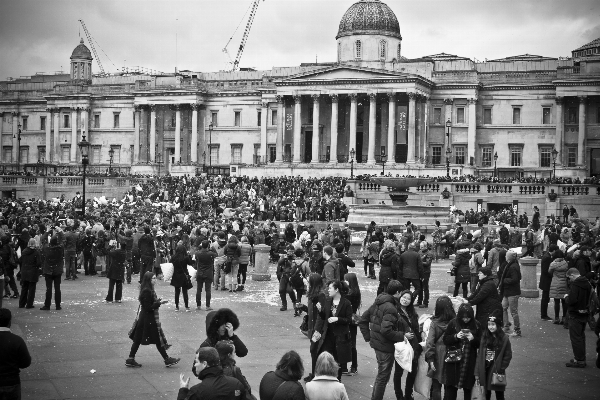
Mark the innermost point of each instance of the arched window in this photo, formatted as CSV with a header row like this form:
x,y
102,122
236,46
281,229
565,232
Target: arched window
x,y
399,49
382,49
358,49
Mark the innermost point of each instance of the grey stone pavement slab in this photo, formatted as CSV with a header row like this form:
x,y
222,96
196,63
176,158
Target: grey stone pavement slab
x,y
80,351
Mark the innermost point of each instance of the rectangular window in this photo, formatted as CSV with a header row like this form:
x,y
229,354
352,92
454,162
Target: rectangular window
x,y
42,153
214,118
42,123
546,115
24,155
95,156
236,154
272,153
96,121
237,118
487,116
516,115
571,156
116,120
66,121
572,115
486,156
7,154
131,154
116,154
516,155
214,155
545,157
25,124
460,115
259,118
436,155
459,154
66,154
273,117
437,115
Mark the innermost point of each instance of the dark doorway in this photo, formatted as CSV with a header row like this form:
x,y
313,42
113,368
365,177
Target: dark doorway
x,y
308,136
359,147
401,153
595,162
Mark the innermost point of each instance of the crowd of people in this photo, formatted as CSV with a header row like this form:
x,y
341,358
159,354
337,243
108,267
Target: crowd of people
x,y
468,178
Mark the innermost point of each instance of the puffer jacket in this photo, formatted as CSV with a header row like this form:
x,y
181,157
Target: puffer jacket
x,y
233,252
331,270
463,272
486,298
246,250
510,279
390,264
558,286
379,324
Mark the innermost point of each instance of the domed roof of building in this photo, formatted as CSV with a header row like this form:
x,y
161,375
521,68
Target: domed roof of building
x,y
81,51
369,17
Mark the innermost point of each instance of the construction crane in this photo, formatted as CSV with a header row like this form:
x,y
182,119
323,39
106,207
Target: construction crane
x,y
91,42
236,62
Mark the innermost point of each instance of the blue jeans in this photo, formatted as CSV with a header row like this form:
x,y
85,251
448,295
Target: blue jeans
x,y
385,363
512,303
70,263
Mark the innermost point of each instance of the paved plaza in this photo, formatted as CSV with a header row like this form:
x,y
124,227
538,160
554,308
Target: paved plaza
x,y
80,352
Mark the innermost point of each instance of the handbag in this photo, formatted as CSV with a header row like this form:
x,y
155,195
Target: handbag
x,y
498,379
135,322
188,283
453,355
477,393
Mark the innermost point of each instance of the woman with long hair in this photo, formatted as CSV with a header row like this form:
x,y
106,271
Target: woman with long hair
x,y
181,276
408,324
226,350
148,330
316,299
282,384
435,349
354,297
494,356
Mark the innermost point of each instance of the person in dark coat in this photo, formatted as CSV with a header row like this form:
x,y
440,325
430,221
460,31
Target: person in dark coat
x,y
332,330
53,269
411,267
9,268
147,252
545,281
510,291
577,301
14,356
204,273
117,259
464,333
181,276
408,324
214,384
31,264
148,330
221,325
462,272
389,261
282,384
486,297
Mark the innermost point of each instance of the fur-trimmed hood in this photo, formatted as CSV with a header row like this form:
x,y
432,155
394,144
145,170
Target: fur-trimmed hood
x,y
215,319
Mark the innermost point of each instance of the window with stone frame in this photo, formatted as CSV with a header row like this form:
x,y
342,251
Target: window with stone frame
x,y
437,115
382,49
96,155
66,121
436,155
545,157
516,156
24,154
237,118
116,120
24,124
214,155
65,153
41,153
236,153
42,123
516,117
358,49
273,117
487,116
460,115
214,118
571,156
546,114
96,121
116,154
486,156
459,154
7,154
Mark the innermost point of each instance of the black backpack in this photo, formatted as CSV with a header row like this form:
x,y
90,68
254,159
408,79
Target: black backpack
x,y
296,279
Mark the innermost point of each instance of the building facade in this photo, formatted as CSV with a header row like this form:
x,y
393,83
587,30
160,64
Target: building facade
x,y
372,106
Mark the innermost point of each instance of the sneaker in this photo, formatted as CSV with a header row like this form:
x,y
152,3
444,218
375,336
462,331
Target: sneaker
x,y
556,321
283,308
546,318
130,362
576,364
171,361
6,296
29,307
516,334
187,309
209,308
118,301
423,306
108,301
354,371
15,296
176,308
45,308
224,289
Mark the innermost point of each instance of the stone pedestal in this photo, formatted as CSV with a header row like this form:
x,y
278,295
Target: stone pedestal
x,y
528,277
261,263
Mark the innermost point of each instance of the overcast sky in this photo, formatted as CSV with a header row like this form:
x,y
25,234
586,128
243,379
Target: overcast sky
x,y
39,35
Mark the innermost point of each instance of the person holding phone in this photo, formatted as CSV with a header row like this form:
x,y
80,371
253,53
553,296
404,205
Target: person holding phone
x,y
148,329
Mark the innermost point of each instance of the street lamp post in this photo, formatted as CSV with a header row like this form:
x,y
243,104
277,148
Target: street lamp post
x,y
111,154
448,155
554,155
18,137
203,160
210,129
383,160
352,154
84,147
495,164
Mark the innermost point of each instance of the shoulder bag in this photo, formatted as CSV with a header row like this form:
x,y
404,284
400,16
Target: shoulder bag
x,y
135,322
453,355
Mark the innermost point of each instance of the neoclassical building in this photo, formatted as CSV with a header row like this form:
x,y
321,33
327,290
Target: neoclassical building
x,y
372,106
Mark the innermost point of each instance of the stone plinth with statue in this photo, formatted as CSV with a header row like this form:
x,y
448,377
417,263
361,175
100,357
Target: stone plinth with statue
x,y
529,284
261,263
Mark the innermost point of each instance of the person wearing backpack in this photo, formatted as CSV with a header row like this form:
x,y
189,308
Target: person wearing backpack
x,y
284,271
578,303
300,273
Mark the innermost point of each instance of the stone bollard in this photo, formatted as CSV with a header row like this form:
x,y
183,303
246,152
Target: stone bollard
x,y
261,263
528,277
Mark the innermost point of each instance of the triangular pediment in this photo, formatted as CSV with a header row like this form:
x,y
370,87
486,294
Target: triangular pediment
x,y
346,73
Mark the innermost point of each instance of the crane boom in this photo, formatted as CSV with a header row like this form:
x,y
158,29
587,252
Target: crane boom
x,y
90,41
236,62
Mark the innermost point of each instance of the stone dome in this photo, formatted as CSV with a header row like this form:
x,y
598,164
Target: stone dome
x,y
369,17
81,51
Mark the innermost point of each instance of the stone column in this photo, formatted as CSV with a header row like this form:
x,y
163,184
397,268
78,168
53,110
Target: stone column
x,y
334,129
263,130
412,108
391,139
48,135
558,137
280,129
137,109
177,109
15,136
472,130
581,136
426,104
74,135
315,125
353,117
194,144
57,154
372,127
297,127
152,136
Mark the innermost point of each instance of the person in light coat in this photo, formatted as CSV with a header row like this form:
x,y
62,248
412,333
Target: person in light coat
x,y
325,386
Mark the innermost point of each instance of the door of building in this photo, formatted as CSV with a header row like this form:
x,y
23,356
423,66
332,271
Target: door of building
x,y
595,162
308,136
359,147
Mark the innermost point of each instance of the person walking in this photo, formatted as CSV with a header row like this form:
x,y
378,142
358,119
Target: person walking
x,y
558,286
53,269
408,324
355,298
485,297
411,268
545,281
495,354
325,385
115,272
14,356
181,277
510,291
284,272
435,349
204,274
31,264
147,329
577,300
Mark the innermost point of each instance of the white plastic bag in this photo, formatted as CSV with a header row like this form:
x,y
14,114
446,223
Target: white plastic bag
x,y
167,270
191,271
561,245
404,355
422,381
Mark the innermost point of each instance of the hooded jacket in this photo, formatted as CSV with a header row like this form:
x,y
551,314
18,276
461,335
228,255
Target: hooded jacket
x,y
579,297
461,262
390,265
486,298
214,385
558,271
214,320
31,262
379,324
331,270
510,277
